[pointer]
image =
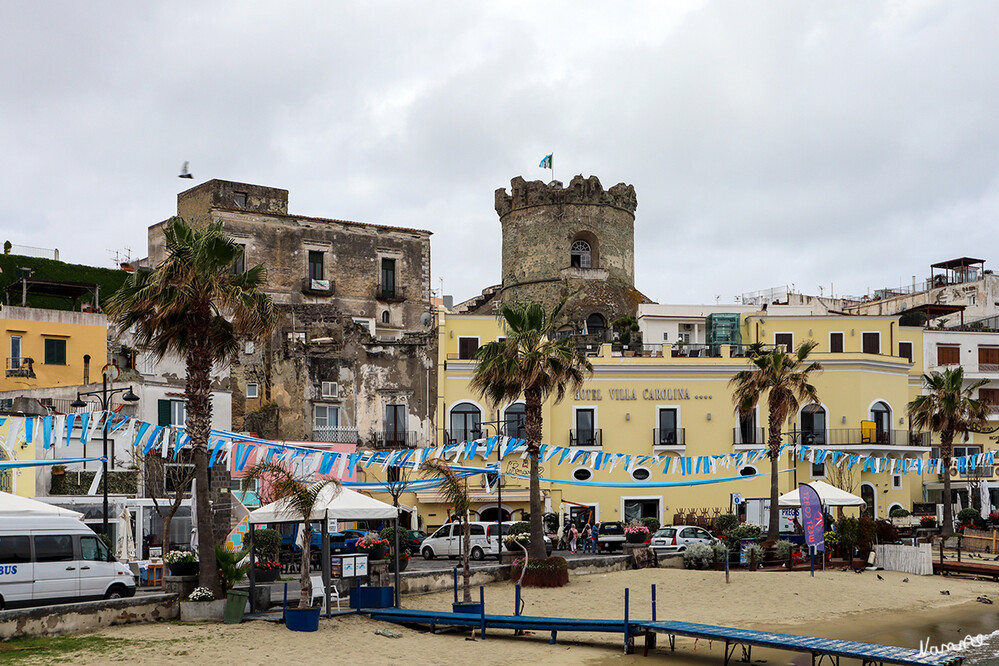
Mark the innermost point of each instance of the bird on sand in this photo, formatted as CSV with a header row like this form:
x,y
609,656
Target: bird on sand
x,y
905,580
879,577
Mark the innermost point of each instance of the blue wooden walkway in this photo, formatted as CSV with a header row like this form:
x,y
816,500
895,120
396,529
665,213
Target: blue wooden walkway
x,y
819,648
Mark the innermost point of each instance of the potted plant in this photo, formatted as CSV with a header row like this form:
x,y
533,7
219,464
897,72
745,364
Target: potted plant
x,y
372,544
300,499
518,533
266,547
403,558
403,555
928,522
266,571
636,532
202,606
182,563
233,567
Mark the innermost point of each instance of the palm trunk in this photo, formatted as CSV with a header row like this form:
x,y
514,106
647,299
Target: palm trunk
x,y
166,542
305,579
775,421
947,453
533,430
199,419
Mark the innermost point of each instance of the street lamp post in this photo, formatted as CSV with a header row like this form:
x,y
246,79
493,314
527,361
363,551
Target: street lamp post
x,y
104,396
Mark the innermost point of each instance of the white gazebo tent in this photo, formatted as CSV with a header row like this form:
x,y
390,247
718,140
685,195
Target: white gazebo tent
x,y
22,507
333,503
828,495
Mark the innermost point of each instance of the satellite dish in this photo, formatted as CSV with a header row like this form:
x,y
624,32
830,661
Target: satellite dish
x,y
427,319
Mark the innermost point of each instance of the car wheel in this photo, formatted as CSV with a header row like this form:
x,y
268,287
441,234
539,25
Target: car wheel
x,y
477,554
681,549
428,553
116,592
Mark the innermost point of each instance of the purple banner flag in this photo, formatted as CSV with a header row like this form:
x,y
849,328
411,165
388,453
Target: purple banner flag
x,y
811,516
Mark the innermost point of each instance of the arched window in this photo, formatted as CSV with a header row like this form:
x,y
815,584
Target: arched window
x,y
579,254
466,420
385,317
596,325
881,415
813,424
514,419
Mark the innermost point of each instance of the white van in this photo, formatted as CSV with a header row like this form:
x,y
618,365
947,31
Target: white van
x,y
47,560
449,539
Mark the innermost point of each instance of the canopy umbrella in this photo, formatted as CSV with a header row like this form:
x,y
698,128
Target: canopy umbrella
x,y
22,507
983,489
346,504
125,547
830,496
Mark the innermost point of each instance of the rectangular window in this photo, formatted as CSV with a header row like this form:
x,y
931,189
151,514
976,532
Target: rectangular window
x,y
54,548
171,412
14,549
326,416
316,268
871,342
667,428
905,350
252,391
948,355
55,352
239,198
989,395
467,347
92,549
239,264
836,343
586,427
786,339
896,481
388,278
818,470
395,425
15,352
988,359
248,347
665,336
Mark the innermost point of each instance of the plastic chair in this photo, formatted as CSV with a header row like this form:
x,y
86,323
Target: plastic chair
x,y
319,592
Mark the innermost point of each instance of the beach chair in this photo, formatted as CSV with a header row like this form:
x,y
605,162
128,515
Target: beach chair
x,y
319,592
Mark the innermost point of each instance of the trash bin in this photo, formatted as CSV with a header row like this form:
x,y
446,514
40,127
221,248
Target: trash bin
x,y
235,605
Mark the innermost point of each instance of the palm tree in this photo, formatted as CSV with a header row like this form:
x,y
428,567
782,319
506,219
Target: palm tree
x,y
454,491
784,377
301,498
947,407
530,363
194,305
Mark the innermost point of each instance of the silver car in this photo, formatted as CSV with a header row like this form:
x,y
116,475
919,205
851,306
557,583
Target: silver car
x,y
675,539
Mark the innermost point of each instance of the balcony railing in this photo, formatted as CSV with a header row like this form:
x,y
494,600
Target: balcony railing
x,y
462,435
334,434
669,437
391,294
859,437
397,439
589,437
749,436
20,366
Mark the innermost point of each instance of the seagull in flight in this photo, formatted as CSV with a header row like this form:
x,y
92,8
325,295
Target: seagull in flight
x,y
184,173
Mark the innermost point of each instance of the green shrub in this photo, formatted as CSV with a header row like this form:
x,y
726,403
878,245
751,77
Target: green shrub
x,y
754,553
230,569
389,533
725,522
832,540
698,556
887,533
651,523
847,530
522,527
899,512
549,572
267,544
743,531
969,516
866,531
784,548
720,548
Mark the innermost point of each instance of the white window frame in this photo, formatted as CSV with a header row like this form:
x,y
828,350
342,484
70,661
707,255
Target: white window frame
x,y
679,426
15,359
811,470
596,425
478,343
327,407
178,408
791,333
329,390
656,498
252,390
896,481
249,347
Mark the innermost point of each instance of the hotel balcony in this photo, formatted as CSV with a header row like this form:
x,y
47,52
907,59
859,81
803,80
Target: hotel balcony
x,y
398,439
858,437
589,437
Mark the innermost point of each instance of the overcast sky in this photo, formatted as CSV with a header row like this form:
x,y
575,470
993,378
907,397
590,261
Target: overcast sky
x,y
843,144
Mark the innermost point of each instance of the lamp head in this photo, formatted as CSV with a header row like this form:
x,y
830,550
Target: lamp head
x,y
78,403
129,396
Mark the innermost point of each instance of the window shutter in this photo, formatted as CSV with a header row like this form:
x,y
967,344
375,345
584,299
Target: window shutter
x,y
163,411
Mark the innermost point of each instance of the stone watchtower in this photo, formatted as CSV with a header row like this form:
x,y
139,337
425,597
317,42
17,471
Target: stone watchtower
x,y
575,242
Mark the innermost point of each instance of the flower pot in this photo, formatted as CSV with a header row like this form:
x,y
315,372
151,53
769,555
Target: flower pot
x,y
266,575
183,568
202,611
514,548
636,538
376,553
402,564
302,619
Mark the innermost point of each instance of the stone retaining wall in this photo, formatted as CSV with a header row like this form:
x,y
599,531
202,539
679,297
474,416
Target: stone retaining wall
x,y
73,618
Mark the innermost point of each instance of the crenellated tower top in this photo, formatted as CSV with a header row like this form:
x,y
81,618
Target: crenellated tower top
x,y
581,191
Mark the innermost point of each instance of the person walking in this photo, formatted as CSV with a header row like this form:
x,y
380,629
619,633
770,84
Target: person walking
x,y
573,536
586,537
595,537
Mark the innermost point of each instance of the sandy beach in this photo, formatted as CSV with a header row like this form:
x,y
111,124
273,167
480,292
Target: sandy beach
x,y
833,604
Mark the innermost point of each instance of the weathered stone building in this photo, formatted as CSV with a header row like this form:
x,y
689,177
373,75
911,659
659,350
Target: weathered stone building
x,y
575,243
353,357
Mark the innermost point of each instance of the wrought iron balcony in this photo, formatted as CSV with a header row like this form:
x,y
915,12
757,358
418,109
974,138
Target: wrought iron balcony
x,y
859,437
669,437
395,439
588,437
390,294
334,434
749,436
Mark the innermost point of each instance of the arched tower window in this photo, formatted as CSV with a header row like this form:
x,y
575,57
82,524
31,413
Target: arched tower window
x,y
466,420
596,324
386,317
579,254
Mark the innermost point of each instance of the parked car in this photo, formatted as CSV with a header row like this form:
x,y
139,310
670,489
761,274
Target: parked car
x,y
56,559
675,539
416,538
611,537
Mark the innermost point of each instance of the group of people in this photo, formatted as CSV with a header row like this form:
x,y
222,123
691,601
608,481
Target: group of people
x,y
588,537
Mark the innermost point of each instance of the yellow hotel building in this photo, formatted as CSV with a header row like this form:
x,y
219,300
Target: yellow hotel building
x,y
669,393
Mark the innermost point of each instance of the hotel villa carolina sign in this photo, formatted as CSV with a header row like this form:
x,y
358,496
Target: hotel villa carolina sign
x,y
676,393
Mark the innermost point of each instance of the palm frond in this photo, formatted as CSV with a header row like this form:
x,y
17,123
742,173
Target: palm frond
x,y
452,489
